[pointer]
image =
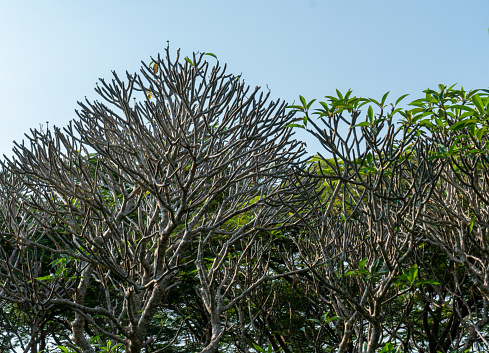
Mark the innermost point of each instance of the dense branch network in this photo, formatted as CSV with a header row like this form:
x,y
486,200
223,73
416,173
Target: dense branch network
x,y
179,214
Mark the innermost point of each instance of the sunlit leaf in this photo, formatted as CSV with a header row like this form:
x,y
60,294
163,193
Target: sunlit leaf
x,y
258,348
400,99
384,98
476,99
362,263
295,125
461,124
370,114
413,272
364,123
310,103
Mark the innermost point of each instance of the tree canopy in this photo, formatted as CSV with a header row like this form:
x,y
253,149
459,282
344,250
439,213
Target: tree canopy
x,y
179,214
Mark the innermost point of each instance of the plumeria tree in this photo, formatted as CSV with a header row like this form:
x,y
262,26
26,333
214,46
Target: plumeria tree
x,y
399,218
177,170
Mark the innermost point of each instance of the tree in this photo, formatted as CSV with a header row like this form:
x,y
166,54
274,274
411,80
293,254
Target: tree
x,y
175,173
364,227
178,214
456,219
390,201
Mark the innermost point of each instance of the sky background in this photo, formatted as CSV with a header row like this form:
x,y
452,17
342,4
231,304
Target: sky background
x,y
53,52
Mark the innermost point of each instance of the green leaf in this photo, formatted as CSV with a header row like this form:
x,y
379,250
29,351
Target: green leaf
x,y
413,273
427,281
303,100
467,114
310,103
58,261
189,61
374,101
340,96
383,271
258,348
472,221
478,103
461,124
463,107
384,97
480,132
314,320
453,149
375,266
295,125
364,123
328,320
370,114
325,319
388,348
210,54
325,106
369,158
363,271
59,271
401,98
45,278
362,263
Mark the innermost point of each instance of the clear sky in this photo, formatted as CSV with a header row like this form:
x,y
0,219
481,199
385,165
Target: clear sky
x,y
53,52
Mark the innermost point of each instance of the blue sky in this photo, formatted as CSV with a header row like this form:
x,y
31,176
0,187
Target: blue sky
x,y
53,52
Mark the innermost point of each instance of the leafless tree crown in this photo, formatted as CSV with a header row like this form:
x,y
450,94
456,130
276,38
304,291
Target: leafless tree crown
x,y
176,165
